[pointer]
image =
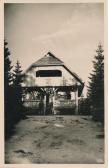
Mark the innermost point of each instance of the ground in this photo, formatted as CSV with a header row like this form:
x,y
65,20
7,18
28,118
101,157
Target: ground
x,y
56,139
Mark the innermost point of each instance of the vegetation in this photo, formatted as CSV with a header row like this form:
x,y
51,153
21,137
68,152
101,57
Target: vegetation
x,y
96,86
8,102
84,106
13,93
17,91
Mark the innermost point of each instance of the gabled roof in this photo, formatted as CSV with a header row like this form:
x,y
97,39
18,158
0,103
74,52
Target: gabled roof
x,y
51,60
48,59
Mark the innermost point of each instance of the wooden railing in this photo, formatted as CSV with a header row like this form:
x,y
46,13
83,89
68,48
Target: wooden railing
x,y
31,103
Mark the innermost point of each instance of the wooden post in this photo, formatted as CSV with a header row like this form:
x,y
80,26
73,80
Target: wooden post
x,y
44,104
53,99
76,102
54,92
71,95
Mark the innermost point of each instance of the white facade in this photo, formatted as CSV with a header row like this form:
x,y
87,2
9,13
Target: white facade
x,y
55,85
65,79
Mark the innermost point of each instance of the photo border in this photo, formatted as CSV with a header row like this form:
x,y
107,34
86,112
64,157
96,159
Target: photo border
x,y
2,164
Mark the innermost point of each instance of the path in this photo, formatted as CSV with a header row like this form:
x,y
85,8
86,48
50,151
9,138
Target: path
x,y
50,139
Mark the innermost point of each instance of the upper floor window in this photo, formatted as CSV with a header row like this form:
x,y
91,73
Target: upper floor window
x,y
48,73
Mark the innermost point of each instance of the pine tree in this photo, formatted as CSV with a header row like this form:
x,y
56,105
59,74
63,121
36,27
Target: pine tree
x,y
18,93
7,66
17,75
8,98
96,85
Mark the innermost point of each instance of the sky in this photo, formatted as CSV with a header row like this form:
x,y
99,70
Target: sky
x,y
71,32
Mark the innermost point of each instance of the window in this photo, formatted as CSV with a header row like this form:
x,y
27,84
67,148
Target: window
x,y
48,73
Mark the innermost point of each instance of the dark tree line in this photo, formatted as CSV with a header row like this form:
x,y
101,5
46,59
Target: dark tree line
x,y
13,92
94,103
96,86
84,106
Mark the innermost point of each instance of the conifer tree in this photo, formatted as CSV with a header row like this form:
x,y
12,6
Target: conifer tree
x,y
18,93
96,85
7,66
17,75
8,98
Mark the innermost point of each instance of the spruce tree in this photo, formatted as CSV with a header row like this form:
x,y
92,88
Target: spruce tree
x,y
17,75
8,98
18,92
96,85
7,66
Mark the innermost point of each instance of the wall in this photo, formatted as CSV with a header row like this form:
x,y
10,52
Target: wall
x,y
32,80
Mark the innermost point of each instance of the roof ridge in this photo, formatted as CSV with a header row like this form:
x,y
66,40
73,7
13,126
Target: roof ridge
x,y
51,54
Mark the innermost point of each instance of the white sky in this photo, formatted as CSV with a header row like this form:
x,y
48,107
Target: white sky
x,y
70,31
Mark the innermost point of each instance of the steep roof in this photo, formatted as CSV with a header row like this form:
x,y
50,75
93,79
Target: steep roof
x,y
51,60
48,59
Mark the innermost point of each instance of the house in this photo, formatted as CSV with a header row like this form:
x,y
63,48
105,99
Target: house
x,y
49,84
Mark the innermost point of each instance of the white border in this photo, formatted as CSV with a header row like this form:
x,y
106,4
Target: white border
x,y
2,165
